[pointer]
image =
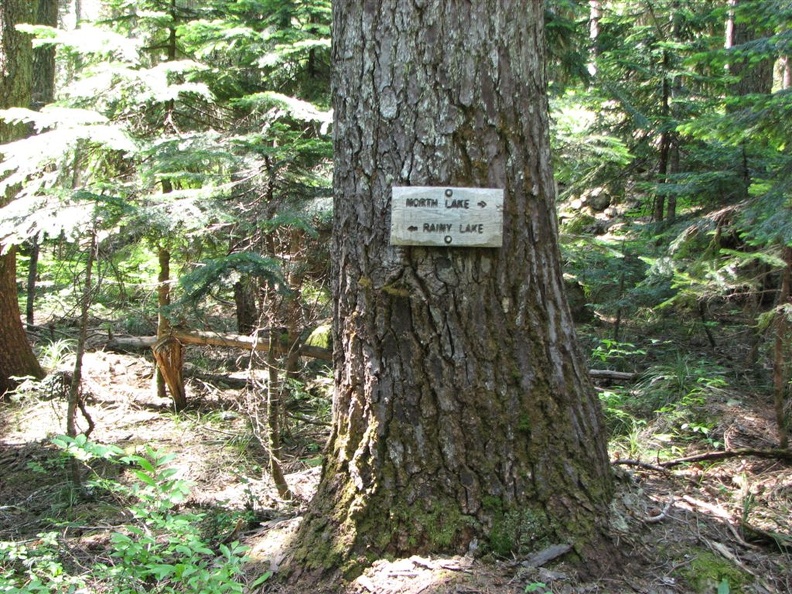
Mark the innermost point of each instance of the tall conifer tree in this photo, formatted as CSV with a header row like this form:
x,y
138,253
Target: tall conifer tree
x,y
463,412
16,58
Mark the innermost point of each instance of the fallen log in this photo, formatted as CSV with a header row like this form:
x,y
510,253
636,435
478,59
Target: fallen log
x,y
198,337
260,343
614,375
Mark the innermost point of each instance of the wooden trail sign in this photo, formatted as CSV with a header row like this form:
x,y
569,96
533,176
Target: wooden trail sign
x,y
448,217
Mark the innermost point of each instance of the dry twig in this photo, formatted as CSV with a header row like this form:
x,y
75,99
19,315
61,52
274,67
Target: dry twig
x,y
722,514
640,464
662,515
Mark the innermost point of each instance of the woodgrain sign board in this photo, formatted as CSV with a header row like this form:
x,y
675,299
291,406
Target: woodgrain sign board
x,y
448,217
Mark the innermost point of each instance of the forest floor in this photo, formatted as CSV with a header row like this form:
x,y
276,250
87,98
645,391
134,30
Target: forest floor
x,y
720,527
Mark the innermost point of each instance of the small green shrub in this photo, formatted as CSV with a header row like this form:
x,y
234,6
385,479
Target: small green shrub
x,y
613,352
162,550
27,568
615,405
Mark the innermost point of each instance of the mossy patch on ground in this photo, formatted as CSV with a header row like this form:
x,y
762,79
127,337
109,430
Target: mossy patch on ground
x,y
709,572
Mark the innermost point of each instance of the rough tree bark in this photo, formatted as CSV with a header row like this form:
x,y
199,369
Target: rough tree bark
x,y
16,57
463,415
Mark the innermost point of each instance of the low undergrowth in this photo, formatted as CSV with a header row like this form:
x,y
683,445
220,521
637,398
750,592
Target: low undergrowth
x,y
159,547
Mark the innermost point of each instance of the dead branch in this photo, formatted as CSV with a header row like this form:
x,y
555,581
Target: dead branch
x,y
198,337
614,375
640,464
546,555
721,513
662,515
775,454
766,537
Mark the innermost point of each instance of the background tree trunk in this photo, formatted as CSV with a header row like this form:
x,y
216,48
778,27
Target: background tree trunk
x,y
753,76
43,92
16,57
781,353
163,323
75,387
786,72
44,57
463,413
34,248
246,310
274,412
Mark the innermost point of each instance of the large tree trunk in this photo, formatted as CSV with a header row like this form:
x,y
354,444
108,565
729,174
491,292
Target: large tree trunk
x,y
16,56
463,413
16,355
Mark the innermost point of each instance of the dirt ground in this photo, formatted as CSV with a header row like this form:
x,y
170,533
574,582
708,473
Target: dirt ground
x,y
709,527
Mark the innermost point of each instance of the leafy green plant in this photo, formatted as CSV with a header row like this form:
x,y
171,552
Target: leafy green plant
x,y
146,561
27,568
164,550
585,156
615,404
612,351
82,449
161,551
198,283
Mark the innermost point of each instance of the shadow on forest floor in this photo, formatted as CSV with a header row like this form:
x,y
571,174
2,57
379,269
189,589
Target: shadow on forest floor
x,y
680,531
